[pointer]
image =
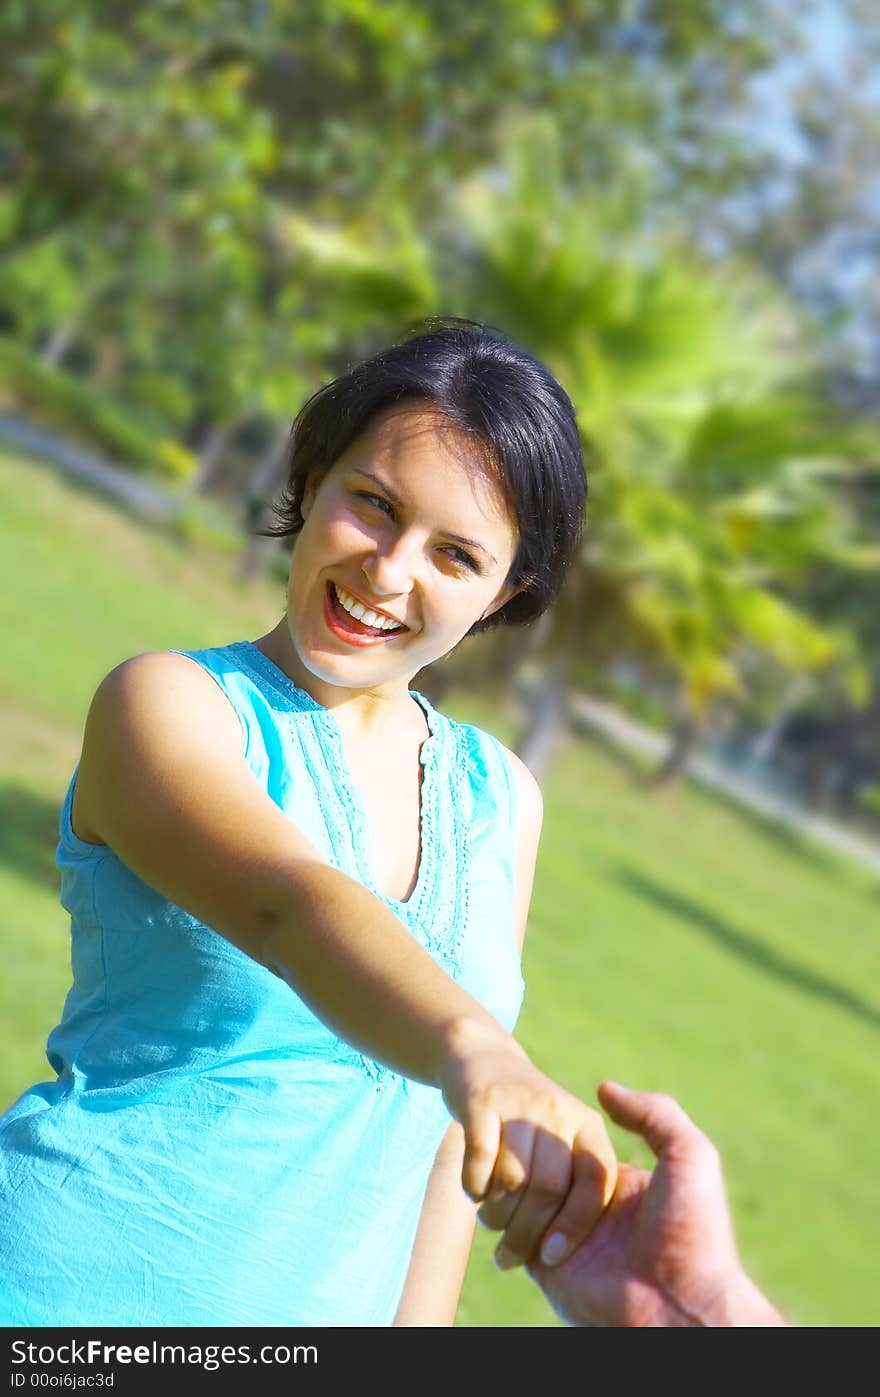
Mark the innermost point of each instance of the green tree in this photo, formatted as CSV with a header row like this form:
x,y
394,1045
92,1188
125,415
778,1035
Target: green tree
x,y
157,147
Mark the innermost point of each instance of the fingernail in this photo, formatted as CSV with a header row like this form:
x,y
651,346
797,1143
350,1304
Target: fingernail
x,y
505,1259
554,1249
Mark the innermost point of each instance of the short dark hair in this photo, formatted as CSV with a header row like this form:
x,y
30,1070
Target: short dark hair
x,y
489,387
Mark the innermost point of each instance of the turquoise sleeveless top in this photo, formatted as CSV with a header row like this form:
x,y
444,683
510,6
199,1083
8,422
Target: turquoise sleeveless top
x,y
209,1153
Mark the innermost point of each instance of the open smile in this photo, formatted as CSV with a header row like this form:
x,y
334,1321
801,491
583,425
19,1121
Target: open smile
x,y
354,629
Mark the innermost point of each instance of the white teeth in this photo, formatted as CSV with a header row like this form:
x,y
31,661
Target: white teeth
x,y
362,613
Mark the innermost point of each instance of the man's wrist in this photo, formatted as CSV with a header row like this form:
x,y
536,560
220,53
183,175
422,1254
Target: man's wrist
x,y
739,1304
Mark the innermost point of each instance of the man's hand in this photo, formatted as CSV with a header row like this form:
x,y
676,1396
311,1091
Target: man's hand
x,y
663,1252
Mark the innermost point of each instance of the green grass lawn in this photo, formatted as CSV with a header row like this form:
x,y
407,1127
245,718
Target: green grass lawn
x,y
675,942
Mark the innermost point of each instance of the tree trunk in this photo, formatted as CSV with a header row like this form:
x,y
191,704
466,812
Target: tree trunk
x,y
210,454
109,360
269,473
59,342
263,484
685,735
763,746
546,716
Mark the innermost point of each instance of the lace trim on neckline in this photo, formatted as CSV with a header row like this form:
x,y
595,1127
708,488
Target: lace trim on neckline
x,y
283,684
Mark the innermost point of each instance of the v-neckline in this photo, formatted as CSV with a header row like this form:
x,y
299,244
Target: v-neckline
x,y
362,842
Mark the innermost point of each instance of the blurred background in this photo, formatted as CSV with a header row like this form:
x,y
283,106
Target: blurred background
x,y
208,209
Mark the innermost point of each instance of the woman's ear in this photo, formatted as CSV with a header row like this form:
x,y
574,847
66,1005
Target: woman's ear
x,y
310,490
503,598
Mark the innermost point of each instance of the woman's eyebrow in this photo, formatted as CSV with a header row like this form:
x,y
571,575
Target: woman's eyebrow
x,y
395,499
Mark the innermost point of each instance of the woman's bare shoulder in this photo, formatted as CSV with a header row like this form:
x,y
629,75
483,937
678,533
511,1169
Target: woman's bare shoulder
x,y
162,684
530,815
530,800
166,786
141,709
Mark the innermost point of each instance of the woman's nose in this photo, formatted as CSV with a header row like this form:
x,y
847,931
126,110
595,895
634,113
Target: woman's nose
x,y
391,567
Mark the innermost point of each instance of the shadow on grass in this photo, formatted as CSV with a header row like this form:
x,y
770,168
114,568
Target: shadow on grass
x,y
773,829
28,833
747,947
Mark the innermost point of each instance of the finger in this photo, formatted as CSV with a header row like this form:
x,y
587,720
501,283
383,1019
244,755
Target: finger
x,y
482,1140
512,1169
548,1185
632,1184
594,1176
658,1118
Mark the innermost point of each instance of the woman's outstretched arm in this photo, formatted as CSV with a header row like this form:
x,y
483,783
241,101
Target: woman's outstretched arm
x,y
164,783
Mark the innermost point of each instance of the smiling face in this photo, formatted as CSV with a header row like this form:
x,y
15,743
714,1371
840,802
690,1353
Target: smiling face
x,y
407,525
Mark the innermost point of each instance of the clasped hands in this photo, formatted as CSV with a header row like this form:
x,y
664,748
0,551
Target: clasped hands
x,y
607,1245
539,1161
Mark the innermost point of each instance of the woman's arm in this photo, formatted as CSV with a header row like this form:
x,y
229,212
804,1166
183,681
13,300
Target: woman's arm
x,y
165,785
443,1242
446,1225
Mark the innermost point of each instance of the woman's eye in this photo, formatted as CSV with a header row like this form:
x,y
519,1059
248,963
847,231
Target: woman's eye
x,y
383,504
459,556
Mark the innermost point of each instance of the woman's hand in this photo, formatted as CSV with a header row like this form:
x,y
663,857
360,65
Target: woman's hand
x,y
539,1160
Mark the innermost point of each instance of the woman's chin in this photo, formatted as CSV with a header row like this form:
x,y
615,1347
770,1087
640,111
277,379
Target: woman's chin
x,y
360,668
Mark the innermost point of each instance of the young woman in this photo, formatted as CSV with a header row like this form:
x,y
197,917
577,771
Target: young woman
x,y
285,1073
